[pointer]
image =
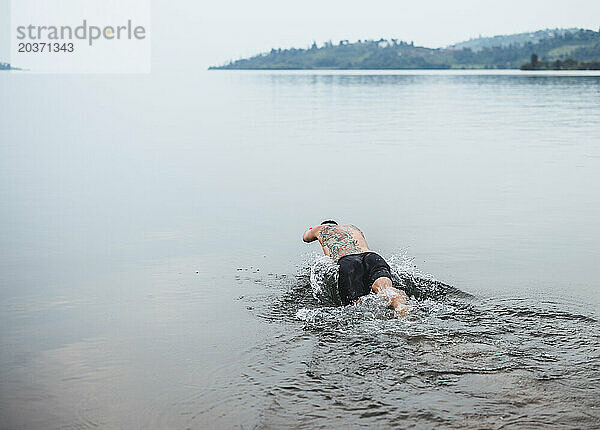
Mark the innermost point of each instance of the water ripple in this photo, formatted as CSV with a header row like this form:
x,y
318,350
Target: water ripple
x,y
456,360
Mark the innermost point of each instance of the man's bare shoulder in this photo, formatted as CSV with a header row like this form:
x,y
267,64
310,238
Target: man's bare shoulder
x,y
326,231
353,227
323,229
318,228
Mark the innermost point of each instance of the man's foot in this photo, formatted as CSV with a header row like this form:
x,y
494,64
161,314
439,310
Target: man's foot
x,y
401,311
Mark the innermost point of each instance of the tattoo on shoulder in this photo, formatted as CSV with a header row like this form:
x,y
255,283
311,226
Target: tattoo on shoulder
x,y
339,241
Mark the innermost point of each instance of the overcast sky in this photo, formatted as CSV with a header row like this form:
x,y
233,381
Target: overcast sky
x,y
193,33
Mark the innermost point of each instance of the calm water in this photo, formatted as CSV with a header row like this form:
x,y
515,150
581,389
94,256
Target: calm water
x,y
152,273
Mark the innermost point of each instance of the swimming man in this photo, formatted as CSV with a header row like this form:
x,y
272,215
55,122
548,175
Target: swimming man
x,y
361,271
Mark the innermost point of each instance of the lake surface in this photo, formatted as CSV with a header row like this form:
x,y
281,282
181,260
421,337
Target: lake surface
x,y
152,273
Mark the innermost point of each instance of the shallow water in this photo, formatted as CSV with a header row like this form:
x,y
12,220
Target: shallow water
x,y
457,360
153,275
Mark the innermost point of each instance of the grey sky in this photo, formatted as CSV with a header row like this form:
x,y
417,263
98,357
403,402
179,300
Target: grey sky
x,y
189,34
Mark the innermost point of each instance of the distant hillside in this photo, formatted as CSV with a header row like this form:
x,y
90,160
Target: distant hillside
x,y
578,44
518,39
5,66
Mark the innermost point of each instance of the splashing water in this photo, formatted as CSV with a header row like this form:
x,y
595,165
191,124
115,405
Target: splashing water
x,y
406,276
456,360
323,281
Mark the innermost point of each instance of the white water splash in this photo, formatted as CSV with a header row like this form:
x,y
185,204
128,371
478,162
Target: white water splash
x,y
323,280
404,266
324,288
324,275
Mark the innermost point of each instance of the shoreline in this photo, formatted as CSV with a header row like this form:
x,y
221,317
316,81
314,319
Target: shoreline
x,y
432,72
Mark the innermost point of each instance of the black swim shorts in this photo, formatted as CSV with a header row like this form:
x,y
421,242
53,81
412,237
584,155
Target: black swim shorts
x,y
357,274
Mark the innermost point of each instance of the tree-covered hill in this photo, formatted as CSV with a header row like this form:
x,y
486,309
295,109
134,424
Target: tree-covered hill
x,y
580,45
517,39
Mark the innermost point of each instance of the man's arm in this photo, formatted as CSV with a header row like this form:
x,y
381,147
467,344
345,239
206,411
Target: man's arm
x,y
310,235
